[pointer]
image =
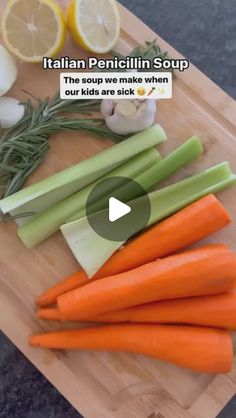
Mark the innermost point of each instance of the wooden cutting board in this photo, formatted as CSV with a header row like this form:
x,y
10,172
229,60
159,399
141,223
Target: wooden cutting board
x,y
104,385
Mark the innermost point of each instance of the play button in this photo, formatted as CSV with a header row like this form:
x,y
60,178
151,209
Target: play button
x,y
117,208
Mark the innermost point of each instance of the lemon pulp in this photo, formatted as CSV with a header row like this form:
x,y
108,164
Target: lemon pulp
x,y
33,29
94,24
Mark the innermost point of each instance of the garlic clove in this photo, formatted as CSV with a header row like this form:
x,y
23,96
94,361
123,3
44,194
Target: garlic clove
x,y
126,108
148,107
11,112
138,102
119,125
8,71
107,107
143,106
127,116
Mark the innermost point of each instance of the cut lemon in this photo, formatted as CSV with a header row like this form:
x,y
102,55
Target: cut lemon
x,y
94,24
33,29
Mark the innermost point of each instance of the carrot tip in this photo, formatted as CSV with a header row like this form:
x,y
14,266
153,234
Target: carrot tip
x,y
51,314
40,314
39,301
32,341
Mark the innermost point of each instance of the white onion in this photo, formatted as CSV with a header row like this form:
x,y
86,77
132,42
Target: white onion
x,y
8,71
11,112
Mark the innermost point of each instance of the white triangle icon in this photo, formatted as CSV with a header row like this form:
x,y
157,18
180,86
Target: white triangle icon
x,y
117,209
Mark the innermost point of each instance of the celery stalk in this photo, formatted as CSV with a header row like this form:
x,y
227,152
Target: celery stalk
x,y
85,242
48,222
48,192
182,156
173,198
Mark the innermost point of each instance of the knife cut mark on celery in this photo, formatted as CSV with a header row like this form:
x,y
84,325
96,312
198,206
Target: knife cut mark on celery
x,y
48,222
84,241
180,157
48,192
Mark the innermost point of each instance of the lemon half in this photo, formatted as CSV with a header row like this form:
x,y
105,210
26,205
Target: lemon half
x,y
94,24
33,29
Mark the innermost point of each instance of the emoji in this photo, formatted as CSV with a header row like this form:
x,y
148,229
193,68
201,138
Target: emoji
x,y
141,91
151,91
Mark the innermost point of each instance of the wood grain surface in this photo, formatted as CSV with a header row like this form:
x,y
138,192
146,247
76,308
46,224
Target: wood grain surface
x,y
104,385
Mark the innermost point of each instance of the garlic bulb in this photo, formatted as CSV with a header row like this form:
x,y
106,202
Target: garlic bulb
x,y
128,116
11,112
8,71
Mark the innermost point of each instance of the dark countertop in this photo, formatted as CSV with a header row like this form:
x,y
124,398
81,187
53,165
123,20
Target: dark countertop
x,y
205,32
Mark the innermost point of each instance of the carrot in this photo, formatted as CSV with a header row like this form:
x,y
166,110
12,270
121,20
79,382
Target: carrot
x,y
217,311
186,227
51,314
207,270
71,282
200,349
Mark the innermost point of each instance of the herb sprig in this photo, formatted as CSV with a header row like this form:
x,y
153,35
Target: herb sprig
x,y
150,50
23,148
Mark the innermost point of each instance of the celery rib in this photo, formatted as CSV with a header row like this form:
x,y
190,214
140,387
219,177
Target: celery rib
x,y
173,198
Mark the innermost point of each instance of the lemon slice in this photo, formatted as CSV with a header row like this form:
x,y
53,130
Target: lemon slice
x,y
94,24
33,29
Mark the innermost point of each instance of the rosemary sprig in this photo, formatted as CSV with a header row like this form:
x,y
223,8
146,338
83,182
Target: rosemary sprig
x,y
149,50
23,148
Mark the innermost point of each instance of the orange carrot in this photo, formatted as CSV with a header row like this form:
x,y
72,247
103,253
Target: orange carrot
x,y
197,348
186,227
49,297
207,270
51,314
217,311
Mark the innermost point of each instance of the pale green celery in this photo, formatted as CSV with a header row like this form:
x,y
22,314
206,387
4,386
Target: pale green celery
x,y
182,156
173,198
92,251
52,190
48,222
